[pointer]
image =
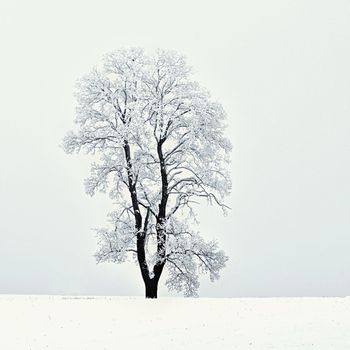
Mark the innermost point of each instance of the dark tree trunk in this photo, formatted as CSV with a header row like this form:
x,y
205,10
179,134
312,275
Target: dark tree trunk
x,y
151,284
151,288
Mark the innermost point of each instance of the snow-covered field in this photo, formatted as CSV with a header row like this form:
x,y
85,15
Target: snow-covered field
x,y
98,323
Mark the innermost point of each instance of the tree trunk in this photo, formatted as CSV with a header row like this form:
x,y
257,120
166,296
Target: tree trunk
x,y
151,288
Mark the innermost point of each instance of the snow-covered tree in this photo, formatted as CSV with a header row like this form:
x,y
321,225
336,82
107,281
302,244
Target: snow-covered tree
x,y
160,145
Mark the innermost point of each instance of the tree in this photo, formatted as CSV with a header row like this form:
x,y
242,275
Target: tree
x,y
160,145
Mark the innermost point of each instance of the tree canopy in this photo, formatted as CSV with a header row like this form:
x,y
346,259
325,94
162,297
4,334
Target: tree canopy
x,y
160,144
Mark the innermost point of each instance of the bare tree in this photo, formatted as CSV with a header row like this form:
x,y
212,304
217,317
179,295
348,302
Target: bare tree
x,y
161,149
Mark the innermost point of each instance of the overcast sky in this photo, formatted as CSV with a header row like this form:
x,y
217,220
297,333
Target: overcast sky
x,y
281,69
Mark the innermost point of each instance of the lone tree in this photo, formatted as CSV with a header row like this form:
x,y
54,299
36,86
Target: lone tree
x,y
160,147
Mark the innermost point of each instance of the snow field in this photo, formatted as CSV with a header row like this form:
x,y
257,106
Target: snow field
x,y
104,323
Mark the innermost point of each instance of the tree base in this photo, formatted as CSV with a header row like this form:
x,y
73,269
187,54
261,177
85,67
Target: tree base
x,y
151,289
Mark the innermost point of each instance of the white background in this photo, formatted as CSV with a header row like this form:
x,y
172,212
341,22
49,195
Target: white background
x,y
281,70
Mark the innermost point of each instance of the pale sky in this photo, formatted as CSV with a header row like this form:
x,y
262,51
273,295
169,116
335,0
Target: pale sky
x,y
280,69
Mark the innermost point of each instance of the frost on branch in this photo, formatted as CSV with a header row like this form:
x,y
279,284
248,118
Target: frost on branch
x,y
115,245
159,149
188,255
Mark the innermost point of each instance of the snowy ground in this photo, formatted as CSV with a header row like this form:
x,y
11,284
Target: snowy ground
x,y
52,322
